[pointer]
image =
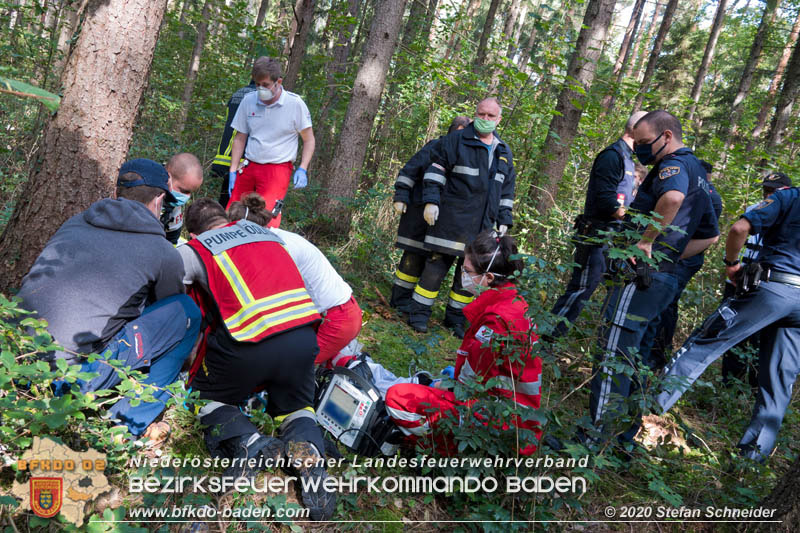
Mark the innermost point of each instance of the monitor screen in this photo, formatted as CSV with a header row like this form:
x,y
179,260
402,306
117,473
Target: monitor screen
x,y
340,406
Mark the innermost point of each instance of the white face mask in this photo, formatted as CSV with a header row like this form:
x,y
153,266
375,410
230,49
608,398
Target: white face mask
x,y
467,284
467,281
265,95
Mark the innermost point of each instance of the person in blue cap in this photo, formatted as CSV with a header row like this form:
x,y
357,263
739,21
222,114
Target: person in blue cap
x,y
734,362
109,282
767,301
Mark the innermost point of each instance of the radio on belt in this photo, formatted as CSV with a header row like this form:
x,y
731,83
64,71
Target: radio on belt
x,y
345,409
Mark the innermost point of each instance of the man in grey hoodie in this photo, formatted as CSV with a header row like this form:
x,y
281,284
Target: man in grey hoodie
x,y
108,282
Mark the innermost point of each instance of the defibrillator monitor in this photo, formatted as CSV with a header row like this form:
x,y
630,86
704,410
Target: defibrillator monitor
x,y
347,409
341,406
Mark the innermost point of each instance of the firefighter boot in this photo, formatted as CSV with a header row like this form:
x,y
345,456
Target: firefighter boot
x,y
304,446
401,298
418,316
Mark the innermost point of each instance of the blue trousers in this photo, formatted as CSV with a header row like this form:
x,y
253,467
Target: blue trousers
x,y
657,343
586,276
156,344
628,313
773,309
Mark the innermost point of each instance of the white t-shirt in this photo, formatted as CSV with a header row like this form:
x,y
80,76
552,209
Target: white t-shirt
x,y
324,284
272,130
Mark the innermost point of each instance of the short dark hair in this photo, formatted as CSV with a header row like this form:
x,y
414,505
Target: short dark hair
x,y
708,167
139,193
662,120
486,246
459,121
253,207
267,66
204,214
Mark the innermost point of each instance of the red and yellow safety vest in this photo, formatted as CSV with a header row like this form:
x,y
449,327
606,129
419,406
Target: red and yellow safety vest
x,y
254,281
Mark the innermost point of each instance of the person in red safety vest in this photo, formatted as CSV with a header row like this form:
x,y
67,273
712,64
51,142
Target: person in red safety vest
x,y
331,294
496,316
261,336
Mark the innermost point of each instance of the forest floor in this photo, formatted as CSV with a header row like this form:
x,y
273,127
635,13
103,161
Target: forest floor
x,y
686,459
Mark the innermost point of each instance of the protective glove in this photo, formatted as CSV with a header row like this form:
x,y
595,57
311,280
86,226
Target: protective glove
x,y
449,371
231,181
400,207
431,213
501,230
300,178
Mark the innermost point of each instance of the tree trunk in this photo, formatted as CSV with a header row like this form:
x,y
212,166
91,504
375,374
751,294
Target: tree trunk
x,y
786,99
262,14
87,140
480,56
767,19
305,19
513,45
777,78
417,17
66,36
785,498
295,14
188,5
460,29
624,54
194,64
341,178
508,35
528,50
43,69
627,41
666,22
580,74
638,51
326,128
708,55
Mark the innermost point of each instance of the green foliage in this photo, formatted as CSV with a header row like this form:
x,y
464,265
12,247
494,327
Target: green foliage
x,y
432,79
25,90
28,405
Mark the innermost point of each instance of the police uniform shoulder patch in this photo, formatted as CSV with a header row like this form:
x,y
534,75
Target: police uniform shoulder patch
x,y
764,203
484,334
668,172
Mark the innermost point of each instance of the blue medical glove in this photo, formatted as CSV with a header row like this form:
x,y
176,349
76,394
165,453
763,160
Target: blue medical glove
x,y
449,371
231,181
300,178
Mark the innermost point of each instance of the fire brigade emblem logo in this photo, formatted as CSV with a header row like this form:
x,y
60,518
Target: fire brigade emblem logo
x,y
46,496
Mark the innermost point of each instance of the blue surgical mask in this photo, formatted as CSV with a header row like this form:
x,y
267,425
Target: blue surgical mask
x,y
644,152
180,198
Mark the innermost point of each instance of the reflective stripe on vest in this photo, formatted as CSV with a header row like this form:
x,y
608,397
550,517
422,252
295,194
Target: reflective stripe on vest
x,y
267,301
625,185
506,383
255,317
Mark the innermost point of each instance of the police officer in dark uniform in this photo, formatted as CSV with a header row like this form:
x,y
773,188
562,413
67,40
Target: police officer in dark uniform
x,y
733,364
411,230
469,187
661,330
677,191
609,192
222,161
768,301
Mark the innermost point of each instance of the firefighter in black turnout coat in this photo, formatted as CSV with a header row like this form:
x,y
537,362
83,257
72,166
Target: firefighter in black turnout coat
x,y
469,187
412,228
